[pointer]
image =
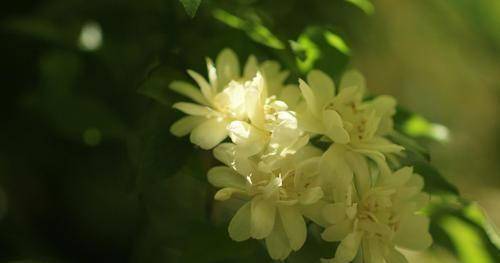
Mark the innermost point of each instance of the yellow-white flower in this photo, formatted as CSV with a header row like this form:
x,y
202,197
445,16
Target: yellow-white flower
x,y
370,223
346,119
273,210
223,98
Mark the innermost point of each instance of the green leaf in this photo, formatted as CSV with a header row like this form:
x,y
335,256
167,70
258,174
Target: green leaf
x,y
462,228
364,5
320,48
435,183
191,6
155,85
255,30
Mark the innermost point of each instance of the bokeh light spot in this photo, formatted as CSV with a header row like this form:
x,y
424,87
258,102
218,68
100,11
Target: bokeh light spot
x,y
90,36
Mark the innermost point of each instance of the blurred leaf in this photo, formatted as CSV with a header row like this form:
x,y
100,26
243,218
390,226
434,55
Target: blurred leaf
x,y
42,29
365,5
320,48
454,228
337,42
255,30
156,85
410,144
435,183
72,114
417,126
191,6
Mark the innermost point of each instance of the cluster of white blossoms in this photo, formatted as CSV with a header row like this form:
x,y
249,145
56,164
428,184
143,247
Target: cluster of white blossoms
x,y
261,130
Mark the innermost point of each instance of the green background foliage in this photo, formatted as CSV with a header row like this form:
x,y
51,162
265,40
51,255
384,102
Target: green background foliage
x,y
90,173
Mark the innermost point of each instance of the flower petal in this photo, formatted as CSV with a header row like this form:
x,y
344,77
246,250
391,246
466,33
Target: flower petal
x,y
228,67
334,213
239,227
309,97
226,193
277,242
413,233
348,247
395,256
185,125
322,86
352,78
263,217
290,95
294,225
222,176
189,91
205,87
313,212
225,152
338,231
251,67
311,195
192,109
210,133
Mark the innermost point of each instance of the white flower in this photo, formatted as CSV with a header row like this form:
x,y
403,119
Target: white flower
x,y
346,119
372,222
223,98
273,211
272,132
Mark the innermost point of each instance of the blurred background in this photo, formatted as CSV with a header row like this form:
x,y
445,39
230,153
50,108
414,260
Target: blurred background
x,y
89,171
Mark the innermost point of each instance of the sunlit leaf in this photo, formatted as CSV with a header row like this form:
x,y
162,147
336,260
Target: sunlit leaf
x,y
337,42
256,31
320,48
365,5
191,6
455,228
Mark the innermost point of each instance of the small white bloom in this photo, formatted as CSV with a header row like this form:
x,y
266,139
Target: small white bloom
x,y
223,98
273,211
346,119
379,219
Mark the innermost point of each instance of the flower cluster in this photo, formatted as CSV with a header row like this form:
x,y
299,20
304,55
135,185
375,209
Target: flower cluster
x,y
262,131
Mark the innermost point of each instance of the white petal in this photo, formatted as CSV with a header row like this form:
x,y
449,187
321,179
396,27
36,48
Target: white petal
x,y
185,125
189,91
290,95
313,212
263,217
362,176
239,227
309,97
348,248
277,242
228,67
395,256
311,195
353,78
192,109
413,233
334,213
210,133
205,87
322,86
338,231
226,193
225,152
294,225
222,176
251,67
